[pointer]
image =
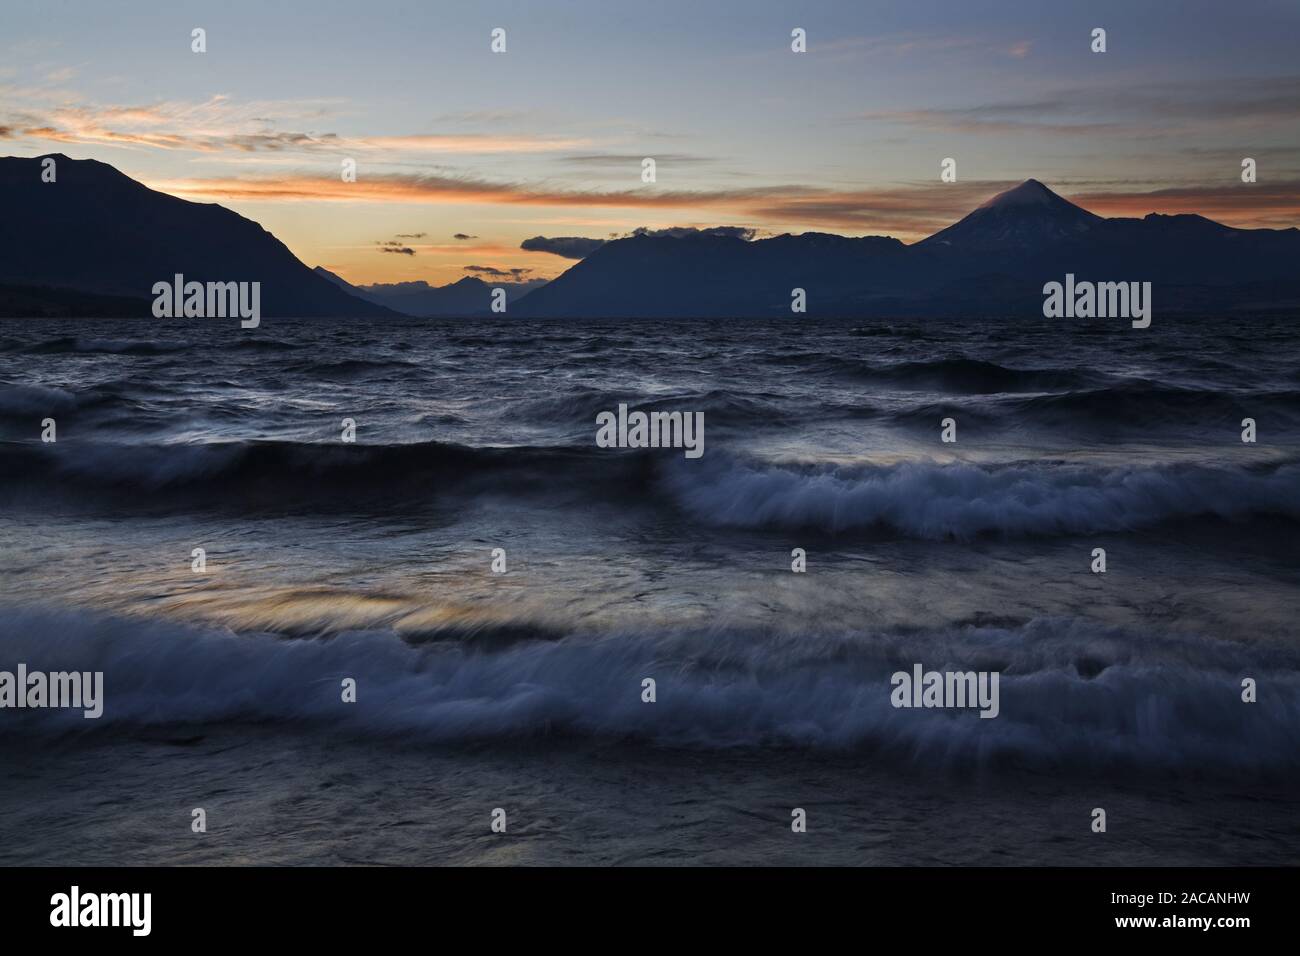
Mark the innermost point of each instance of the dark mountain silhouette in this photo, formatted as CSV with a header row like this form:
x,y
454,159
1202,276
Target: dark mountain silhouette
x,y
95,230
465,297
992,262
705,274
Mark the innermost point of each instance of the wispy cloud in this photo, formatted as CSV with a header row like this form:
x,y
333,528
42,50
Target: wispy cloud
x,y
434,188
1273,204
915,44
616,160
912,210
1152,110
990,120
217,125
908,211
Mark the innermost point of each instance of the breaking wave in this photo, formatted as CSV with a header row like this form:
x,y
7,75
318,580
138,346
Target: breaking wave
x,y
1072,694
929,500
915,499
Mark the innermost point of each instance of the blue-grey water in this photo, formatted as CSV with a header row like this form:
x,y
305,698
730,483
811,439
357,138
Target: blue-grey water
x,y
372,560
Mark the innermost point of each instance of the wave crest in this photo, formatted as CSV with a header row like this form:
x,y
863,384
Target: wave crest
x,y
929,500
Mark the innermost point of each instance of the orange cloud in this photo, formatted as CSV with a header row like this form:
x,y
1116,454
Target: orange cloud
x,y
909,212
913,211
444,189
1271,205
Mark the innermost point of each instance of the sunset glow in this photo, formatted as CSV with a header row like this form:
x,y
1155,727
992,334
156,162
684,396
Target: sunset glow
x,y
450,140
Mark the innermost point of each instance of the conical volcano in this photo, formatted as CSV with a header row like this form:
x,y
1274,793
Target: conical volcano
x,y
1028,215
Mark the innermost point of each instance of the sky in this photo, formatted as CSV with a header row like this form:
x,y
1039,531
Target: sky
x,y
463,153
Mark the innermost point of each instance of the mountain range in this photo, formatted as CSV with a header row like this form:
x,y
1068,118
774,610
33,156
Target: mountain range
x,y
995,261
95,241
464,297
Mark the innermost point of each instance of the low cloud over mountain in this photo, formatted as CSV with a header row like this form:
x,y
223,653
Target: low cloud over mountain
x,y
579,247
569,247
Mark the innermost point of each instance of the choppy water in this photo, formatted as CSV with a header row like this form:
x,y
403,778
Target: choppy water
x,y
371,560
